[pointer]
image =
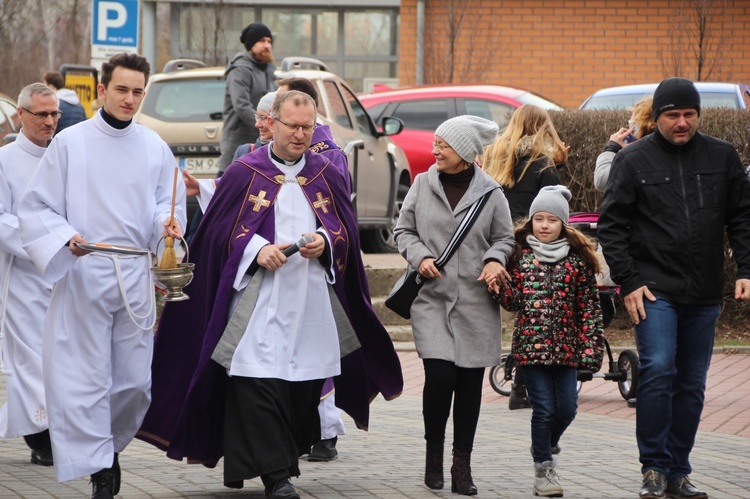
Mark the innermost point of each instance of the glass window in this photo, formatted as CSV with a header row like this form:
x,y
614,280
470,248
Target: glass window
x,y
368,33
363,120
356,72
186,100
498,112
292,30
376,112
719,99
337,108
422,114
328,33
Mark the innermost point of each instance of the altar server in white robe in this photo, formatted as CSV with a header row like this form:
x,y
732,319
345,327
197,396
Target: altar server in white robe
x,y
24,293
106,180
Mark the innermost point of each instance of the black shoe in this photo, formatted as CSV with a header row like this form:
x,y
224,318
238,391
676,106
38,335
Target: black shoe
x,y
324,451
283,489
42,457
103,484
654,484
683,488
518,399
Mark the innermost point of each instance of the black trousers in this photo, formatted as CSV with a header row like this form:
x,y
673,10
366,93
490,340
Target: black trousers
x,y
269,423
444,382
38,441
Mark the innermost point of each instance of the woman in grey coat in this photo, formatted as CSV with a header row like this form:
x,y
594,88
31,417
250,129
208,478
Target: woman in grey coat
x,y
455,322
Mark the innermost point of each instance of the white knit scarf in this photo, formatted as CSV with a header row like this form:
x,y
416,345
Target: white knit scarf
x,y
549,252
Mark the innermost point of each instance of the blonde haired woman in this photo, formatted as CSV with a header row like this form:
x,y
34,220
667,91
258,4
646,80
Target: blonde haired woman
x,y
524,157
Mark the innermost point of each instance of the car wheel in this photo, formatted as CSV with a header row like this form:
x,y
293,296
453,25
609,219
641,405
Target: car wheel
x,y
381,240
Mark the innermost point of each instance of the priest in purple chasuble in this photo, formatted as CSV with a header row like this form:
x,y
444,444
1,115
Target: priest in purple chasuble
x,y
255,315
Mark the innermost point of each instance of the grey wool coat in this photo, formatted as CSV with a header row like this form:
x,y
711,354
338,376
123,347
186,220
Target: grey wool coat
x,y
454,318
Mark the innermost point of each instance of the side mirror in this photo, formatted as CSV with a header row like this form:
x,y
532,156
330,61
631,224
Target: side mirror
x,y
391,125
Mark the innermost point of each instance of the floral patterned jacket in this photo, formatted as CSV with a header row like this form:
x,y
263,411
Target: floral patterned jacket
x,y
559,319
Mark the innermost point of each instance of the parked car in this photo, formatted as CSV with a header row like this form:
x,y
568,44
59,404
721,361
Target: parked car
x,y
424,108
713,94
10,123
184,106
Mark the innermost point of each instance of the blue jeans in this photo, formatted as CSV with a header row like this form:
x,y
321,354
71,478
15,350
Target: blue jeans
x,y
675,343
554,400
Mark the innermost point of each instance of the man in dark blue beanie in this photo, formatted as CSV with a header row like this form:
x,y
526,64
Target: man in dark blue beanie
x,y
249,77
668,200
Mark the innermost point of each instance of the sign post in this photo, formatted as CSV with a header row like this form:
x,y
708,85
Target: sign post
x,y
115,28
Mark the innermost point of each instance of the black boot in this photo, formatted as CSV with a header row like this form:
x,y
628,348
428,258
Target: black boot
x,y
518,398
118,475
461,481
42,457
433,468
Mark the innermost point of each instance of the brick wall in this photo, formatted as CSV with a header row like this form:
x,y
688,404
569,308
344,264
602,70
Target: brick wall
x,y
565,50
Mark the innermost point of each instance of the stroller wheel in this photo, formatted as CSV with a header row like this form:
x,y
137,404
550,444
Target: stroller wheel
x,y
498,379
628,363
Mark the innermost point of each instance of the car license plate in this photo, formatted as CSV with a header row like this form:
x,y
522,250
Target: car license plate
x,y
200,165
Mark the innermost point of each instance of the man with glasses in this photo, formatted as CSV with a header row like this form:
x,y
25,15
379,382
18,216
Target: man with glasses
x,y
274,324
25,294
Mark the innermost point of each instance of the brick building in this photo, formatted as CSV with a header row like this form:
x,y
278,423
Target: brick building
x,y
565,50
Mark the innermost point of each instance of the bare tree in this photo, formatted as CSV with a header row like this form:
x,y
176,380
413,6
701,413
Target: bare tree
x,y
60,36
455,48
212,27
700,38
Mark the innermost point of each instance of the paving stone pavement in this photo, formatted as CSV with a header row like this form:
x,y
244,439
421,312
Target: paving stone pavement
x,y
599,457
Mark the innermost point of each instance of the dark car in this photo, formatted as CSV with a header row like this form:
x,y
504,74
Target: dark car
x,y
424,108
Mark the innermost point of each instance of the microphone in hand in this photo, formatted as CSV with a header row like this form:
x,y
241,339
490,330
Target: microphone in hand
x,y
294,248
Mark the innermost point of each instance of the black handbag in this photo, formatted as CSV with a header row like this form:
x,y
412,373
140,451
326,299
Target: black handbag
x,y
407,288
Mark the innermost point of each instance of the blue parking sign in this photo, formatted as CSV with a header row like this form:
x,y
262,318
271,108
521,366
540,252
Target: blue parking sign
x,y
115,27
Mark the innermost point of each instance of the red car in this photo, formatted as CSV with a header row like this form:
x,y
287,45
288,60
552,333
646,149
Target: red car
x,y
424,108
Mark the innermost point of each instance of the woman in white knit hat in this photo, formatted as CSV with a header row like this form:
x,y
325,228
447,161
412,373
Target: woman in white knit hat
x,y
559,324
456,324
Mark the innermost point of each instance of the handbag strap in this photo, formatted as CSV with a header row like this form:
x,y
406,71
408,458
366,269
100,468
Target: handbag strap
x,y
462,229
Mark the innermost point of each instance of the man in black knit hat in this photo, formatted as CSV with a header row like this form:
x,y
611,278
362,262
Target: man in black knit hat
x,y
249,77
668,200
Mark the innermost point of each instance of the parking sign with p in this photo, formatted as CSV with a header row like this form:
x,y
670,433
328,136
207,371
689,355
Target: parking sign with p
x,y
115,27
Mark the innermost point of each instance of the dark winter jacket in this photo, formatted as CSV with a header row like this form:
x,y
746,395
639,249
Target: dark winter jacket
x,y
247,81
559,321
663,217
522,194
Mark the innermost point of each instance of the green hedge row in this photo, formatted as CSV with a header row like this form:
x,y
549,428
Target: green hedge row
x,y
587,132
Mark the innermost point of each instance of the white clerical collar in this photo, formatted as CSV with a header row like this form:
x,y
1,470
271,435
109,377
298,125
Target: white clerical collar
x,y
278,159
28,146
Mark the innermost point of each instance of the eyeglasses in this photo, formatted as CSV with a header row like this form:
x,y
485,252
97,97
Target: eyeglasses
x,y
306,129
440,147
44,114
260,117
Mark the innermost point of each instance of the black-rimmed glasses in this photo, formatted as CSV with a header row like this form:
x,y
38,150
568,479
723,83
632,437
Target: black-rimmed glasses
x,y
306,129
44,114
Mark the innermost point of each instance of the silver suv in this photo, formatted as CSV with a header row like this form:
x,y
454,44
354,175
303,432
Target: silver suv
x,y
184,103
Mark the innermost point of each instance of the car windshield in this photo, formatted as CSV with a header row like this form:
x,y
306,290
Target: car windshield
x,y
621,101
185,100
529,98
719,99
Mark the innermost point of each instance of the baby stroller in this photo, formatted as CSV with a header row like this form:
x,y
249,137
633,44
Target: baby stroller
x,y
624,370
